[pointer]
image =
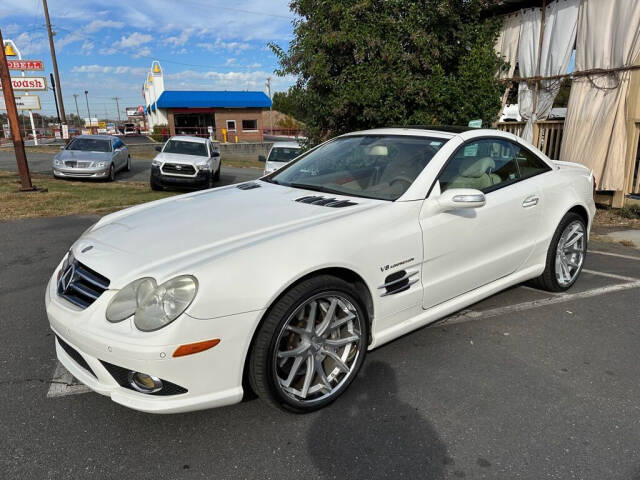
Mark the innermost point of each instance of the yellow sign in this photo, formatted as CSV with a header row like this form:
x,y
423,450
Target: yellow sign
x,y
102,124
9,51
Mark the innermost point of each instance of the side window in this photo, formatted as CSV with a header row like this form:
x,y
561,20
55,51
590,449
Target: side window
x,y
489,164
530,165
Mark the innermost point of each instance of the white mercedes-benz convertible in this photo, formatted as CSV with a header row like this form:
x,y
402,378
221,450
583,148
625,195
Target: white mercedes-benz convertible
x,y
282,284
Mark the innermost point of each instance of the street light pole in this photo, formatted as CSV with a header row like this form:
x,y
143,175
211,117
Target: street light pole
x,y
12,113
54,60
86,97
75,99
117,106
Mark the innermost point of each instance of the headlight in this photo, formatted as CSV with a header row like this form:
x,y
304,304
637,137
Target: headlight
x,y
153,306
156,163
203,166
57,162
99,164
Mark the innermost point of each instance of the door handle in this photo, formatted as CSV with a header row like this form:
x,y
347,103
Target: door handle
x,y
531,201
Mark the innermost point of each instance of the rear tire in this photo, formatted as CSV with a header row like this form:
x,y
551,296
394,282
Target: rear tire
x,y
304,356
128,167
566,254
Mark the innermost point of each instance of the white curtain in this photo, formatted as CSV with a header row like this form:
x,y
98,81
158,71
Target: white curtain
x,y
561,18
595,132
507,44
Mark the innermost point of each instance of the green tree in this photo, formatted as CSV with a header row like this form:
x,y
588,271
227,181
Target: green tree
x,y
373,63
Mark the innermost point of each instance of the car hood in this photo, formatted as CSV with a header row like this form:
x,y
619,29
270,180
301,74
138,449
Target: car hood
x,y
80,155
172,235
179,158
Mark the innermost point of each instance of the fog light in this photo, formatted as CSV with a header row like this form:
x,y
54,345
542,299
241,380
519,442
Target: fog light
x,y
144,383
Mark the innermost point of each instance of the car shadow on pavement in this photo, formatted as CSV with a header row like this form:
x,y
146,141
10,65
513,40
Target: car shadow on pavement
x,y
371,433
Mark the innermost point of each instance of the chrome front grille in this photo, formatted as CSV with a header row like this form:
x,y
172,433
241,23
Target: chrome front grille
x,y
80,285
76,164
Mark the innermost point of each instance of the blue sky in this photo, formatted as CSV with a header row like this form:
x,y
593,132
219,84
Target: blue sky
x,y
106,47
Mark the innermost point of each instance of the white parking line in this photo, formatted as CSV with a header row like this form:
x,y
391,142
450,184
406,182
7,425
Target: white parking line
x,y
610,275
468,315
63,384
619,255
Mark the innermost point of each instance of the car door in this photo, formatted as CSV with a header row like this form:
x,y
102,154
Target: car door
x,y
467,248
115,154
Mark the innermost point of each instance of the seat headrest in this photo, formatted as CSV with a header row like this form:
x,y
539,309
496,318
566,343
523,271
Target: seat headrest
x,y
476,167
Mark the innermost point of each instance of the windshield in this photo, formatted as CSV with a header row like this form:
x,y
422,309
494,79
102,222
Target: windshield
x,y
89,145
283,154
373,166
185,148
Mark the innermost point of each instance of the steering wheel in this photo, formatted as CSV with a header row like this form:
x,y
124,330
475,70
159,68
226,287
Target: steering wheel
x,y
401,179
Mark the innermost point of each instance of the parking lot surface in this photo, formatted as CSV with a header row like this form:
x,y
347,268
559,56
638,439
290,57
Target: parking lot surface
x,y
524,385
40,162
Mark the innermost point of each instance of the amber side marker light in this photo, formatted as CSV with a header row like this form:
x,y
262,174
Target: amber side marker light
x,y
197,347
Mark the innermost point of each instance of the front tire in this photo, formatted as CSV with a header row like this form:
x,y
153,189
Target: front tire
x,y
128,167
155,186
112,174
310,346
566,254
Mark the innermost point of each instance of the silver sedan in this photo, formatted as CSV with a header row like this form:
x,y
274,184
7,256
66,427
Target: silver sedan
x,y
92,156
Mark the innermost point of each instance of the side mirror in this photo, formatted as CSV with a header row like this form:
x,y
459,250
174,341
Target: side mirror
x,y
262,158
158,149
457,198
215,154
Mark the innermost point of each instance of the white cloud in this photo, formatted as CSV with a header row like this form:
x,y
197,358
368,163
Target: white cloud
x,y
212,80
142,52
219,44
134,40
96,25
179,40
87,47
230,61
118,70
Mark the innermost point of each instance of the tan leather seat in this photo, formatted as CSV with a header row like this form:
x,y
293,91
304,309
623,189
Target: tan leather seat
x,y
475,173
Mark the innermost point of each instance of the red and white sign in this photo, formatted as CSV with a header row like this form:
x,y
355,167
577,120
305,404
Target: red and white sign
x,y
28,83
25,64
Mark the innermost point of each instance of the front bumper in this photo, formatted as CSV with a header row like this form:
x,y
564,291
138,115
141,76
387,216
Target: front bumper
x,y
65,172
201,179
212,378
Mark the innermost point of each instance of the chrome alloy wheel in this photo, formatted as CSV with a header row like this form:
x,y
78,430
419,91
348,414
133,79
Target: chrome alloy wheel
x,y
570,253
318,348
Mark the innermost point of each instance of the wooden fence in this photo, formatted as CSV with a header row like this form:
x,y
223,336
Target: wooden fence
x,y
547,135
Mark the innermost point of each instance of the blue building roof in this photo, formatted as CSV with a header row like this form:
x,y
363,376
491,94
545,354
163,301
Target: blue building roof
x,y
212,99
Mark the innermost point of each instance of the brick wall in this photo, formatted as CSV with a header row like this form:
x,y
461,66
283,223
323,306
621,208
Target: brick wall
x,y
239,114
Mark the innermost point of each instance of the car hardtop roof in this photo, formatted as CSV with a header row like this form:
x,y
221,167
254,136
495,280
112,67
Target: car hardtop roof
x,y
286,144
189,138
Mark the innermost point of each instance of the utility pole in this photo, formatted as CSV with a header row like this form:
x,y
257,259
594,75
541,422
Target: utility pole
x,y
55,98
86,97
12,114
54,61
75,99
117,106
270,106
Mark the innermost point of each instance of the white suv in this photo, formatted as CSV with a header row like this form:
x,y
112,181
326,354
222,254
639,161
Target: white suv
x,y
186,161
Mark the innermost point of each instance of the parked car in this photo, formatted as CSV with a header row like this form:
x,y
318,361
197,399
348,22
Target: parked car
x,y
129,129
185,161
289,280
279,155
92,156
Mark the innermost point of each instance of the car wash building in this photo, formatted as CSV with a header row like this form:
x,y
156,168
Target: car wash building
x,y
225,115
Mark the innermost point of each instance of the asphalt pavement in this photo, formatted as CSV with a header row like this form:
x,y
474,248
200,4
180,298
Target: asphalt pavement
x,y
524,385
40,162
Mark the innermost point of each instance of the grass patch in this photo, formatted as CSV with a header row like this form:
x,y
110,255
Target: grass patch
x,y
65,197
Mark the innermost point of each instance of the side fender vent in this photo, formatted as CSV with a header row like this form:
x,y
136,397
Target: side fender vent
x,y
325,201
398,282
248,186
